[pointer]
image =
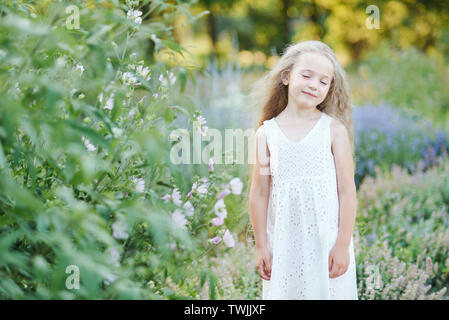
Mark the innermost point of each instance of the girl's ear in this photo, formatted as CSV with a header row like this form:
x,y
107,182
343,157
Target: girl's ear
x,y
284,77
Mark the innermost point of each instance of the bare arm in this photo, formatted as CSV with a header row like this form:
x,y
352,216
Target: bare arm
x,y
260,189
344,167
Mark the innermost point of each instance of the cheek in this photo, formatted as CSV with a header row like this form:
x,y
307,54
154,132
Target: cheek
x,y
324,93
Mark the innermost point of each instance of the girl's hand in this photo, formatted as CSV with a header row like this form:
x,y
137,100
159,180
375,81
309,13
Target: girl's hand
x,y
338,260
263,264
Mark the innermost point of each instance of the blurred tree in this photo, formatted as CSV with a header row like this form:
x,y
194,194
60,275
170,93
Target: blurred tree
x,y
269,25
214,7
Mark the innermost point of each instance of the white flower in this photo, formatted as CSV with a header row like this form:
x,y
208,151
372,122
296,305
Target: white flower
x,y
189,208
155,95
88,145
140,184
171,78
131,114
202,189
201,120
179,219
228,239
176,197
100,97
110,103
202,129
135,15
220,209
236,186
119,231
79,67
128,78
143,72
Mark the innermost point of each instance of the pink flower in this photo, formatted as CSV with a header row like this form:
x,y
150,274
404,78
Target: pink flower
x,y
166,197
228,239
223,194
176,197
189,195
216,240
220,209
218,221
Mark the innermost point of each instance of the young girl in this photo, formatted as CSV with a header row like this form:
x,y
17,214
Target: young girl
x,y
303,196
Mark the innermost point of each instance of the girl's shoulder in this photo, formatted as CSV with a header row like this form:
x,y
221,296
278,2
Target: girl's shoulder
x,y
337,128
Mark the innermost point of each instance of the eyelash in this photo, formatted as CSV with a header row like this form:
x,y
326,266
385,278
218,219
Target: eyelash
x,y
309,77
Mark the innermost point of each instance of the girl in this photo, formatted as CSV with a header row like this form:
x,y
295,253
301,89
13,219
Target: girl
x,y
303,196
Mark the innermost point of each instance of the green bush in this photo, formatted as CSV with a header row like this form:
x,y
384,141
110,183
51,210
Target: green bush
x,y
86,119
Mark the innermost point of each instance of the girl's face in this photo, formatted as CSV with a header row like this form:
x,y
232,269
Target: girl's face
x,y
309,80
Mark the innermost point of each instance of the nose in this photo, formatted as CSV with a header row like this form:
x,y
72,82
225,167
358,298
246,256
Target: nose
x,y
313,84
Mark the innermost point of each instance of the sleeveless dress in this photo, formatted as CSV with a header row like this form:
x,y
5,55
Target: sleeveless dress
x,y
302,217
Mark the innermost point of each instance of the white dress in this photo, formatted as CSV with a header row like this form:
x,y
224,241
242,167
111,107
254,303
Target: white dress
x,y
302,218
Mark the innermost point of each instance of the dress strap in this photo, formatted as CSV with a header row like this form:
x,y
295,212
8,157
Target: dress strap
x,y
270,133
327,131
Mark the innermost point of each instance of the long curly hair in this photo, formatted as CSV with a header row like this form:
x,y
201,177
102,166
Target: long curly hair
x,y
270,93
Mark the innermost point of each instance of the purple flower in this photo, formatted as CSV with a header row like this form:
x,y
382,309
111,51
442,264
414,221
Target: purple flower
x,y
218,221
216,240
223,194
176,197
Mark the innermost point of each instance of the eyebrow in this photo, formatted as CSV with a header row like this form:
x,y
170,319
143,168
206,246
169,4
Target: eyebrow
x,y
314,71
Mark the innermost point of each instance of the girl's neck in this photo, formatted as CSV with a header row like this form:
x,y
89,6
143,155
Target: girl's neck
x,y
292,112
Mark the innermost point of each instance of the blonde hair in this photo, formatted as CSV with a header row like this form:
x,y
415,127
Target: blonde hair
x,y
272,94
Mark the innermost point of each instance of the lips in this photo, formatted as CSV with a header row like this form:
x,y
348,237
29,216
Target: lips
x,y
309,94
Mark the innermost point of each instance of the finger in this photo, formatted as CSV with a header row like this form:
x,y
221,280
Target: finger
x,y
268,266
262,272
267,269
331,262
